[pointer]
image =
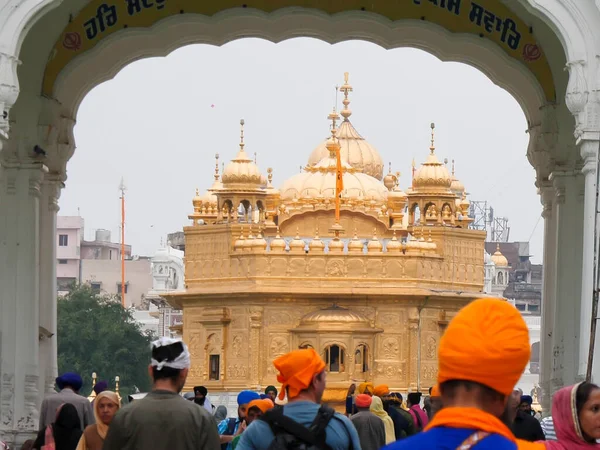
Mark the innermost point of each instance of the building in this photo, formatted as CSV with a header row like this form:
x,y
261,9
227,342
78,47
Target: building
x,y
69,236
268,270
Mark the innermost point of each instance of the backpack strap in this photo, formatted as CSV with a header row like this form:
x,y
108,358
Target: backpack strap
x,y
314,435
472,440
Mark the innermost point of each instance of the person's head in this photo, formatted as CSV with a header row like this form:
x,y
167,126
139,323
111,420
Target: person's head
x,y
351,390
100,386
435,400
189,396
366,388
302,375
377,406
243,399
67,417
106,406
482,356
587,402
381,390
271,392
220,413
511,408
257,408
69,380
363,402
414,398
200,393
525,404
169,364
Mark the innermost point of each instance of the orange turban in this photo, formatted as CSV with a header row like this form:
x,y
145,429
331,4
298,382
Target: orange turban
x,y
435,391
363,401
362,388
296,370
487,342
381,390
264,405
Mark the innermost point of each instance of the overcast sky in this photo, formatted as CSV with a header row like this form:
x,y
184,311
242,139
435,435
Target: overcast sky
x,y
155,125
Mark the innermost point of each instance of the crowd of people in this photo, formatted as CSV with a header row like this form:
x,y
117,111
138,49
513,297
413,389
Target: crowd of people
x,y
474,405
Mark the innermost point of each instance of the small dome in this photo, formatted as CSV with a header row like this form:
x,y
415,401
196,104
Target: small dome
x,y
356,245
197,201
488,258
336,245
259,242
297,245
278,244
242,169
374,245
316,245
394,245
333,313
432,174
499,259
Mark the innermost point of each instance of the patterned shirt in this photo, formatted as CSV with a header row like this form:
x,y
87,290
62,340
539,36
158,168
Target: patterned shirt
x,y
548,428
223,430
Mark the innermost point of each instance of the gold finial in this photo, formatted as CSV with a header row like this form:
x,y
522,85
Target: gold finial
x,y
333,116
390,166
216,167
432,148
346,88
297,233
222,167
452,167
270,175
254,157
117,380
355,233
375,233
317,232
197,192
300,169
242,135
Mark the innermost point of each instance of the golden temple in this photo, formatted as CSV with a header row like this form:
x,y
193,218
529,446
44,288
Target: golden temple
x,y
269,270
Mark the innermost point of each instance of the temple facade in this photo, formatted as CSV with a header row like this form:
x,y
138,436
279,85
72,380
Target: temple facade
x,y
370,280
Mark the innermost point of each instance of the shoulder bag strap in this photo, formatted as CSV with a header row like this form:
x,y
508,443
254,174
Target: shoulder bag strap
x,y
281,423
472,440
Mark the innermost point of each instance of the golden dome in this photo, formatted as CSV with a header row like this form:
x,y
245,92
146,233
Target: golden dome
x,y
316,245
197,201
242,169
355,150
297,245
394,245
498,258
356,245
336,245
432,174
390,181
333,313
259,242
456,186
240,241
210,197
374,245
278,244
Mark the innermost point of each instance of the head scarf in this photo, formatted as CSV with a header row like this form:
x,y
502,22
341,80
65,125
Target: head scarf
x,y
220,413
101,427
180,362
69,379
435,391
526,399
66,429
200,390
100,386
271,389
487,342
363,401
566,422
246,397
377,409
296,371
362,388
264,405
381,390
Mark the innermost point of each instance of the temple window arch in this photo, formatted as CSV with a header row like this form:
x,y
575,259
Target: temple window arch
x,y
500,278
447,212
335,358
415,214
361,358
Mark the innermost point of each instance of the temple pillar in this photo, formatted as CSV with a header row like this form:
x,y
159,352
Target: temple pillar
x,y
50,192
548,293
589,154
568,187
19,298
256,324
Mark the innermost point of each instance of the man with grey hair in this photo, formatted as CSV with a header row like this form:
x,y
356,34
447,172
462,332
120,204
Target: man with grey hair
x,y
163,420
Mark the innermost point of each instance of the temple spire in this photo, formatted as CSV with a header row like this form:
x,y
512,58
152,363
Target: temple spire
x,y
242,135
216,167
346,88
432,148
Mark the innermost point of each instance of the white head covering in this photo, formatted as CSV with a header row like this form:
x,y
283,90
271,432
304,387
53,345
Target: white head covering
x,y
181,362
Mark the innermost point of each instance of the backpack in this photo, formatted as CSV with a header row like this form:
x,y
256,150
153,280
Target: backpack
x,y
290,435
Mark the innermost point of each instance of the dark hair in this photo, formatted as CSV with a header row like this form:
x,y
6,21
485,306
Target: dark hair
x,y
397,396
486,394
414,398
583,394
430,388
166,353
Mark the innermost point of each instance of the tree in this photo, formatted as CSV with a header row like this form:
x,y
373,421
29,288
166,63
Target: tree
x,y
96,334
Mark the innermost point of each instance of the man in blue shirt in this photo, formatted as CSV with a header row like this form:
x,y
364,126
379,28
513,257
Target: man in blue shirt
x,y
302,373
230,427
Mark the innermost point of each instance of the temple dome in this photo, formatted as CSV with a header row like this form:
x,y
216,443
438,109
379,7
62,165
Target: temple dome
x,y
242,169
319,182
335,314
432,174
355,150
499,259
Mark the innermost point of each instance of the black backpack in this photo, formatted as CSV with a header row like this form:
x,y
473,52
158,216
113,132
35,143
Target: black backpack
x,y
290,435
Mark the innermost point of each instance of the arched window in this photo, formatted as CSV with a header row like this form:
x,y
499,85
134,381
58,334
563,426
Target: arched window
x,y
500,278
334,359
361,360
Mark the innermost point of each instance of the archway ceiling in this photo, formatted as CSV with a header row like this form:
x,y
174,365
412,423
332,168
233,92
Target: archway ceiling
x,y
487,19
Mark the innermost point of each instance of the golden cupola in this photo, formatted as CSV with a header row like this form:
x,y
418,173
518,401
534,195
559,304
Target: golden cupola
x,y
498,258
456,186
355,150
242,172
433,175
209,199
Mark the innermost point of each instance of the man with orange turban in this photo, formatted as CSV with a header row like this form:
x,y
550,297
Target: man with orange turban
x,y
482,355
302,375
365,388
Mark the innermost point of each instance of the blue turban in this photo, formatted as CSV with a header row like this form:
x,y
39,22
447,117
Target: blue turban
x,y
69,379
246,397
526,399
100,386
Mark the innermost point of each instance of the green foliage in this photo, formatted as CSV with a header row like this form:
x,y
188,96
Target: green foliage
x,y
96,334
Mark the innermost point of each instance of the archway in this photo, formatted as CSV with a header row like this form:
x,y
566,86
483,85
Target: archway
x,y
67,67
